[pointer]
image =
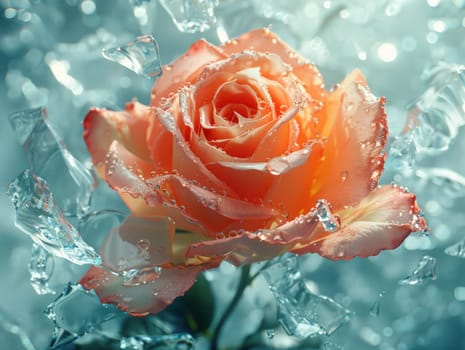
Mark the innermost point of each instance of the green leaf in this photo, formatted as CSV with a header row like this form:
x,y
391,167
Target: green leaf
x,y
199,305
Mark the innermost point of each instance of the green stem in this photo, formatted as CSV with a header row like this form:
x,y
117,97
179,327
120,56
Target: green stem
x,y
243,283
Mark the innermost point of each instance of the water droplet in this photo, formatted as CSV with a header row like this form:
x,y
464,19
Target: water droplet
x,y
144,244
425,270
270,333
156,291
344,175
283,109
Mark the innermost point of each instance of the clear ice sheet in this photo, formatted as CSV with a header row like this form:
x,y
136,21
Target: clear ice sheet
x,y
38,215
332,34
49,158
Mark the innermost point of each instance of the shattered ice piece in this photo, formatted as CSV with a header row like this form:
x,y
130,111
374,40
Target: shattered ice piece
x,y
451,183
191,16
41,268
48,157
300,312
402,151
141,56
76,312
38,215
13,336
329,221
457,249
374,309
438,113
425,270
181,341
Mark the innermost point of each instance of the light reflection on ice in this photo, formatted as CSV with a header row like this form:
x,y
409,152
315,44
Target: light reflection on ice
x,y
41,268
191,16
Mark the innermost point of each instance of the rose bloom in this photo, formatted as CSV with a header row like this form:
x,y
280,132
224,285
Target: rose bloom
x,y
241,156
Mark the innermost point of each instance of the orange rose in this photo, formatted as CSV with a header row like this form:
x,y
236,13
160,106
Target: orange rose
x,y
248,156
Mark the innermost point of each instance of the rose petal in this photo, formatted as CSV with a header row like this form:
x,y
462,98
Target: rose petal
x,y
185,69
356,133
102,127
142,299
382,220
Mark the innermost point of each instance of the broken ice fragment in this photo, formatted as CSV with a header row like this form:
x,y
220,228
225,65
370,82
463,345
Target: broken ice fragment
x,y
41,267
181,341
401,155
300,312
141,56
49,158
76,312
329,221
38,215
12,336
374,309
438,113
191,16
457,249
425,270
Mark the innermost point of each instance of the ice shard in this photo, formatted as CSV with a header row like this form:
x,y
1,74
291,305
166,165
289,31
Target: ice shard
x,y
76,312
141,56
300,312
191,16
38,215
456,249
48,157
424,271
181,341
41,268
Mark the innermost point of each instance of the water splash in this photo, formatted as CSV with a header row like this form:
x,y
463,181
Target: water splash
x,y
181,341
457,249
41,268
38,215
141,56
424,271
302,313
329,221
47,154
191,16
76,312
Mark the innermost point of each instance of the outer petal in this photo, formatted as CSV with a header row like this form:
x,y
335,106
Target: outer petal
x,y
355,127
142,299
185,69
380,221
102,127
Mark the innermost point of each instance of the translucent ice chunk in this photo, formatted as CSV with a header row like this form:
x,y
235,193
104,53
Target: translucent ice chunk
x,y
402,151
329,221
141,56
38,215
300,312
181,341
41,268
425,270
49,158
457,249
438,113
76,312
191,16
12,336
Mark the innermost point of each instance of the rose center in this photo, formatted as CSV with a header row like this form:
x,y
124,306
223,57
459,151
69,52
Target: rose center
x,y
233,101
